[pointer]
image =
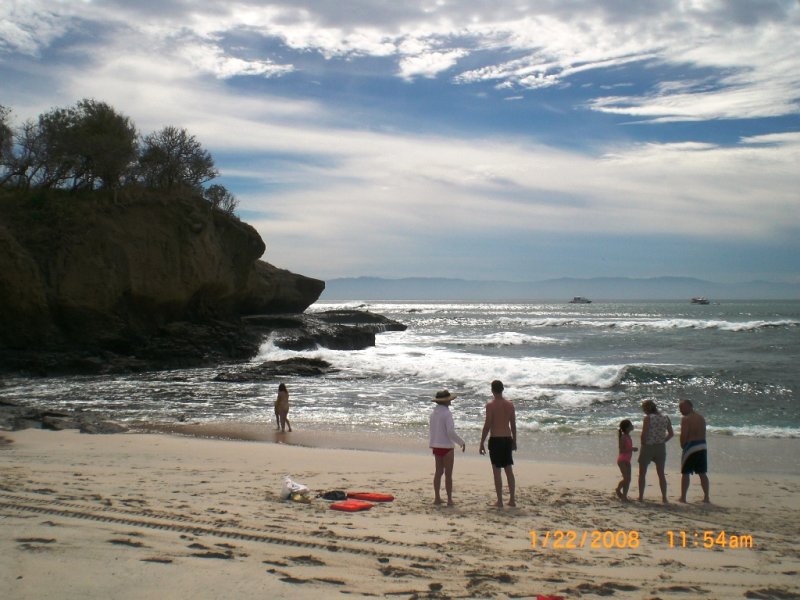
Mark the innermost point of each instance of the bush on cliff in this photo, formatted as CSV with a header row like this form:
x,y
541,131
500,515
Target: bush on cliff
x,y
91,146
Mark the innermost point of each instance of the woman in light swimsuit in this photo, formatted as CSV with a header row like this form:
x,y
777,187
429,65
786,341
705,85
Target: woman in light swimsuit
x,y
282,409
656,432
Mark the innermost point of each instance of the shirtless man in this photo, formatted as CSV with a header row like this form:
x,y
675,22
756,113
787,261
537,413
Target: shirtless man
x,y
693,443
501,422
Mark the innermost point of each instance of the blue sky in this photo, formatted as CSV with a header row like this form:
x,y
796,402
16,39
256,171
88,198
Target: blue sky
x,y
478,139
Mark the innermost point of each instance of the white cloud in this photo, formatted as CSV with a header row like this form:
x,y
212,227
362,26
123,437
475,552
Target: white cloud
x,y
26,27
752,49
158,90
383,196
365,196
430,64
211,59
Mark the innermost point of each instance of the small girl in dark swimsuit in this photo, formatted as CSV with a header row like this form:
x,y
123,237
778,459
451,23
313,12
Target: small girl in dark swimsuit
x,y
626,451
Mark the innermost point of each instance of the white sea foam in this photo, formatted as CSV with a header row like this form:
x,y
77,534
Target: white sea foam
x,y
569,370
435,364
754,431
500,339
655,324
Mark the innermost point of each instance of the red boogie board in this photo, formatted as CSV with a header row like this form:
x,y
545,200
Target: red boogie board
x,y
370,496
351,505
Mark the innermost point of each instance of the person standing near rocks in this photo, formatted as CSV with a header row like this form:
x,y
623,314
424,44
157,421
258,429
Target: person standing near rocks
x,y
501,423
282,409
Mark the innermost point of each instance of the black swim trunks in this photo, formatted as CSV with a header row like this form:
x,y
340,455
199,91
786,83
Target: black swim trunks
x,y
696,463
500,451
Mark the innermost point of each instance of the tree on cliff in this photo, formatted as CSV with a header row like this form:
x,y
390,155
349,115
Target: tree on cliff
x,y
6,137
90,146
86,146
172,159
221,198
106,143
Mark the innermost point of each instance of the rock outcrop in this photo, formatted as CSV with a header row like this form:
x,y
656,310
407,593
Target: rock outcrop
x,y
14,417
144,276
270,370
334,329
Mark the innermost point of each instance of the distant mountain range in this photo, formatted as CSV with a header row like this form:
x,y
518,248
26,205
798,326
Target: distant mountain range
x,y
563,289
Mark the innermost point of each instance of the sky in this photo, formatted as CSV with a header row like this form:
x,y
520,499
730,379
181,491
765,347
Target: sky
x,y
478,139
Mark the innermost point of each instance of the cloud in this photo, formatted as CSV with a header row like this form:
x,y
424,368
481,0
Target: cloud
x,y
757,76
386,197
27,27
749,44
336,179
211,59
429,64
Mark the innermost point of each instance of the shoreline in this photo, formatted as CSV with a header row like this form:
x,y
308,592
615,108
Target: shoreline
x,y
132,515
727,454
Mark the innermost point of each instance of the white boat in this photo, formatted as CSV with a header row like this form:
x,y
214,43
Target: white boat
x,y
580,300
699,300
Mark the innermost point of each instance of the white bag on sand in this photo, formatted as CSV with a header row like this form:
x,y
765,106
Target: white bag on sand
x,y
292,487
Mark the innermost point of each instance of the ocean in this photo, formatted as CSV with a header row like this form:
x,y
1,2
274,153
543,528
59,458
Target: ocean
x,y
571,369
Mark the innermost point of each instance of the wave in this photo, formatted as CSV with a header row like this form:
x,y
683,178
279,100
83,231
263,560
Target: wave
x,y
502,339
720,325
561,426
647,374
547,322
434,364
654,324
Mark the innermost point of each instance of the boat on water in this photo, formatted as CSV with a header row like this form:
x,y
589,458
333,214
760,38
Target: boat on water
x,y
580,300
699,300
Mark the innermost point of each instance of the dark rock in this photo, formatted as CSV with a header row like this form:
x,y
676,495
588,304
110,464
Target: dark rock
x,y
14,417
59,423
101,427
270,370
20,423
92,285
348,338
368,320
337,330
270,322
273,290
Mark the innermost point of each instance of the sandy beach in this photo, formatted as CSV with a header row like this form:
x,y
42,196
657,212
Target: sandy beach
x,y
167,516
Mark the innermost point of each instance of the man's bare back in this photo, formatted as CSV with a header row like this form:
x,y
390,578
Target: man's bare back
x,y
501,423
501,416
693,425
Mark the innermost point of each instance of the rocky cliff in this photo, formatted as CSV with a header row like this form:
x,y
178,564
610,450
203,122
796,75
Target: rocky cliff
x,y
120,275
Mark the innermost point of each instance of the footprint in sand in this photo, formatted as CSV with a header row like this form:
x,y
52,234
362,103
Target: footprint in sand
x,y
126,542
211,554
307,560
35,544
157,559
683,589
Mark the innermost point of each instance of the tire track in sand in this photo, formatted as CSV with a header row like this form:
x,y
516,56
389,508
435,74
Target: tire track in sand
x,y
181,524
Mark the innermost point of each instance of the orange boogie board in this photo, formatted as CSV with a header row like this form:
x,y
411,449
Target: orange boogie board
x,y
370,496
351,505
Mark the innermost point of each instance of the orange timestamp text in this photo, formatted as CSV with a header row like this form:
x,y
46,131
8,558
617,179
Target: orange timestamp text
x,y
571,539
709,540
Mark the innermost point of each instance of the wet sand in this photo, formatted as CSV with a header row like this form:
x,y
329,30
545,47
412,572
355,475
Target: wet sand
x,y
727,454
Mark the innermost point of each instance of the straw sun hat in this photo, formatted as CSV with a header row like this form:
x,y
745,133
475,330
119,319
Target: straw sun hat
x,y
443,396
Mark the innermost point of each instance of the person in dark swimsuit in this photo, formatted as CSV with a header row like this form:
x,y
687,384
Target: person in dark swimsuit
x,y
501,423
693,443
282,409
